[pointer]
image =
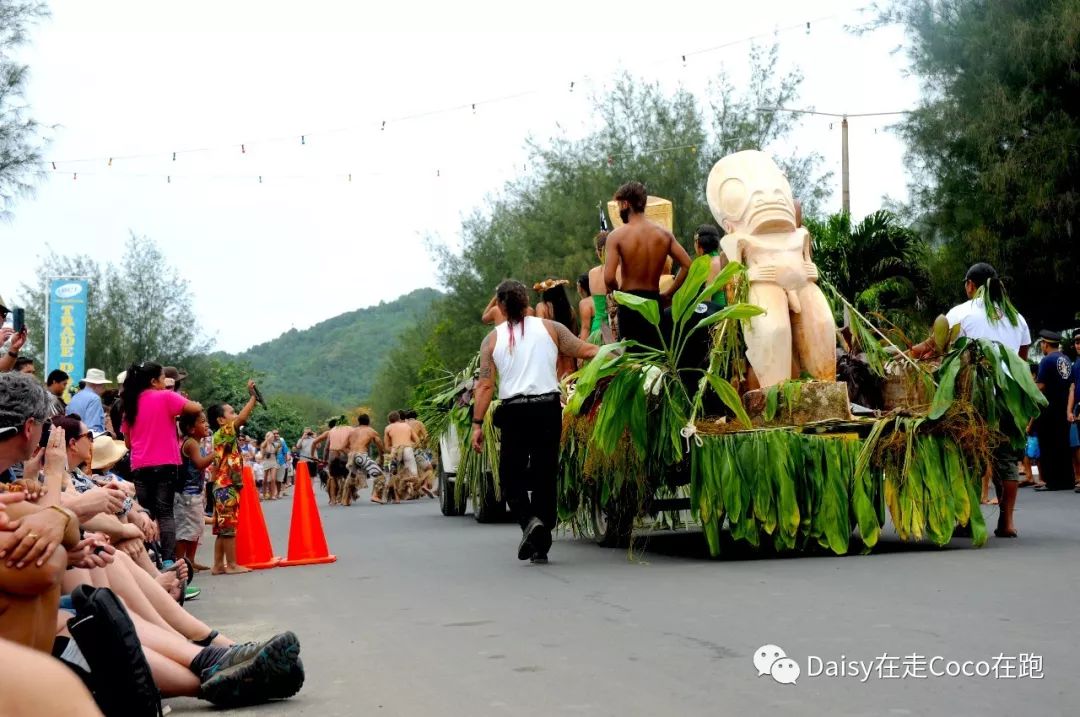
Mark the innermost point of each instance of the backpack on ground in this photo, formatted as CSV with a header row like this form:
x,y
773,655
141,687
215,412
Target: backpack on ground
x,y
120,677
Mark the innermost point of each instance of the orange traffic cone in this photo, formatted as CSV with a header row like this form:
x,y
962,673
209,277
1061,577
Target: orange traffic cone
x,y
307,542
253,549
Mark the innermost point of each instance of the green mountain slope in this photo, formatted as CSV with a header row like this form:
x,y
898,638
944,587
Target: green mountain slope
x,y
338,359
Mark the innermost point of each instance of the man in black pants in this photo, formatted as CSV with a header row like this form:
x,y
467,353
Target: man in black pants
x,y
523,352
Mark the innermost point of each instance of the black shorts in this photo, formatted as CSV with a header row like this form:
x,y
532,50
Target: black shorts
x,y
635,327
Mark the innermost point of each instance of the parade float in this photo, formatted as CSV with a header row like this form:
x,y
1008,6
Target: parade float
x,y
736,419
759,442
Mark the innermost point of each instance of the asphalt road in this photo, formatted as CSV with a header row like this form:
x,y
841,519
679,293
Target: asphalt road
x,y
426,615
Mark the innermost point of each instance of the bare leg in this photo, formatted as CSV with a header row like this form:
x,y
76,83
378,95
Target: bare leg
x,y
37,684
123,584
175,616
75,577
194,563
231,566
1005,513
165,641
270,481
219,556
185,549
1025,468
172,680
987,475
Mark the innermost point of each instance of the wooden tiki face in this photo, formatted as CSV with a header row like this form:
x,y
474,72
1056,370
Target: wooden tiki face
x,y
748,193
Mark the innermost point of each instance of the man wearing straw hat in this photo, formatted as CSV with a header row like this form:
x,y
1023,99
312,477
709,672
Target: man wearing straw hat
x,y
87,402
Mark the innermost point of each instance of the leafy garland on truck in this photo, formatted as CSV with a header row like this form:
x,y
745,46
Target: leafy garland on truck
x,y
633,418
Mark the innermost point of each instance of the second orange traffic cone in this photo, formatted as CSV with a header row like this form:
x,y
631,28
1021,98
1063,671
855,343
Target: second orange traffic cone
x,y
253,549
307,541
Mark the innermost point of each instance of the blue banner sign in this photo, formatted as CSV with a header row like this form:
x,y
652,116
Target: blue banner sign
x,y
67,327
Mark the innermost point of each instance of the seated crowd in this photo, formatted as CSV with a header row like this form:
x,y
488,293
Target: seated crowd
x,y
94,565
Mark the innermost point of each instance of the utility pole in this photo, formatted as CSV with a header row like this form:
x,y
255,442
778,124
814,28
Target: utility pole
x,y
845,180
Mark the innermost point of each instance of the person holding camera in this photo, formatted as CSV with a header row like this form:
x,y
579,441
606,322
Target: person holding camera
x,y
14,335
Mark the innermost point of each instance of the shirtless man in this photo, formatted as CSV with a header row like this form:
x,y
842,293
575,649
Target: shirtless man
x,y
337,439
424,465
640,248
361,466
401,441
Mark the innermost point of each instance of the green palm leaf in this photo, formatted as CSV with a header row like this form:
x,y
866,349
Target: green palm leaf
x,y
646,307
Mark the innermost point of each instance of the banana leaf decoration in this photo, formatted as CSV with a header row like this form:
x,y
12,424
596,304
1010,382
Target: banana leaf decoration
x,y
995,380
655,417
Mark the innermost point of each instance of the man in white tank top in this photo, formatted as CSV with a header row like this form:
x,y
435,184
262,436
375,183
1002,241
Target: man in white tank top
x,y
522,352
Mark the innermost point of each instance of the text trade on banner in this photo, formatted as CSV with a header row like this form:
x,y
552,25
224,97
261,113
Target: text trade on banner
x,y
67,327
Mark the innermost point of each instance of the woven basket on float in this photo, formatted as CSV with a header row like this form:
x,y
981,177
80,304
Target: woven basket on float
x,y
657,209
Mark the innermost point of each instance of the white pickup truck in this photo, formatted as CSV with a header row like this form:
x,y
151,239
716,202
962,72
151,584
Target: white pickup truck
x,y
486,507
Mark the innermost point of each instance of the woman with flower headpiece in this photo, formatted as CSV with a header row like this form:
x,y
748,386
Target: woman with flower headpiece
x,y
555,306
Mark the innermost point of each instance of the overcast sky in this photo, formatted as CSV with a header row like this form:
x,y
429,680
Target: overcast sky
x,y
136,78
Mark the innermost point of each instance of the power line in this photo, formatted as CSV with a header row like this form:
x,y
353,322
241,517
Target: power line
x,y
348,176
381,125
833,114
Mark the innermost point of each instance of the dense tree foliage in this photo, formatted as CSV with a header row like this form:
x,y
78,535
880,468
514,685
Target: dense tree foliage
x,y
19,133
221,379
879,265
137,310
993,144
542,224
336,360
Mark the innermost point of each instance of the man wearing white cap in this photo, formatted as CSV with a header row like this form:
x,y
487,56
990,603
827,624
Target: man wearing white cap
x,y
87,402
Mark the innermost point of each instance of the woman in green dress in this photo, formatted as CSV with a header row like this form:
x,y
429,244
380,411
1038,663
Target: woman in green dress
x,y
598,293
590,320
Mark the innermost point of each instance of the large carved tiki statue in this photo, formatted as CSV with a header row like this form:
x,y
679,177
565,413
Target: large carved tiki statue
x,y
751,199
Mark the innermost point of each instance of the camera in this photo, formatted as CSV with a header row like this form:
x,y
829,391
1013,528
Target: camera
x,y
18,319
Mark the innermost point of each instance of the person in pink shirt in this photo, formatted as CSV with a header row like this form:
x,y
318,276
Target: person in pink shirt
x,y
150,414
